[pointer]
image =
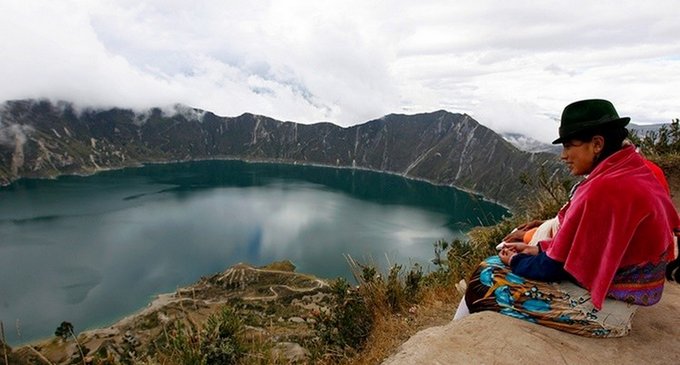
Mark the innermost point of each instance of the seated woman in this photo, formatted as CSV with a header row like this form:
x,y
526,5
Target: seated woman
x,y
610,251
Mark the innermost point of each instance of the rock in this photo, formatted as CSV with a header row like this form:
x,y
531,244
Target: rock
x,y
492,338
291,351
255,329
164,319
461,286
296,320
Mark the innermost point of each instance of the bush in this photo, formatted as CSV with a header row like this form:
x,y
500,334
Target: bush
x,y
181,344
665,141
222,344
413,281
219,341
349,320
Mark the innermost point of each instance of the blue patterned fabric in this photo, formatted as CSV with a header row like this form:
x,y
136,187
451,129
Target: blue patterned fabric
x,y
494,287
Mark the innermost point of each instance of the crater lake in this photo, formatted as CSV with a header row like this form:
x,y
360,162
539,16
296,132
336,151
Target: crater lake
x,y
92,249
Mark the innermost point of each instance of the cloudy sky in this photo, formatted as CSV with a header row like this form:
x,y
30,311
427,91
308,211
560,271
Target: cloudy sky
x,y
512,65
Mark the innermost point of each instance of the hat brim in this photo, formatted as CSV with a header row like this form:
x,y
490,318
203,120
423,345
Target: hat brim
x,y
621,122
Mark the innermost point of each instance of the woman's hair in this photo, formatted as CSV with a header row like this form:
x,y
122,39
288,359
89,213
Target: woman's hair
x,y
613,139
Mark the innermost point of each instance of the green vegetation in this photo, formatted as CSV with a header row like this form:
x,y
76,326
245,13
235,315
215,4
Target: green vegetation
x,y
662,144
662,147
64,330
219,341
348,322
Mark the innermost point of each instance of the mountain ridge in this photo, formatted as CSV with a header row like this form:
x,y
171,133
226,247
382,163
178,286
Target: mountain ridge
x,y
42,139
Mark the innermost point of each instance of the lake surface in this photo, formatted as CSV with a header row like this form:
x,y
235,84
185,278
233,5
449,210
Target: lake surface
x,y
90,250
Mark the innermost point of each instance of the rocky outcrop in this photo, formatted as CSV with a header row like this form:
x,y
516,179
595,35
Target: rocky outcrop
x,y
39,139
492,338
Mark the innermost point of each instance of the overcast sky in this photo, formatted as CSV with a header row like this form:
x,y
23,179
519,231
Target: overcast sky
x,y
512,65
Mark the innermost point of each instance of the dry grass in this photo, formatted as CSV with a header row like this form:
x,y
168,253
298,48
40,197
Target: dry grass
x,y
436,308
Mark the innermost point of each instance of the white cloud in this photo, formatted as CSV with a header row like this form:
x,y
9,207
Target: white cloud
x,y
513,66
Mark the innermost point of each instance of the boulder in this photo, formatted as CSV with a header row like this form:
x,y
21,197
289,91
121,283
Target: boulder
x,y
292,352
492,338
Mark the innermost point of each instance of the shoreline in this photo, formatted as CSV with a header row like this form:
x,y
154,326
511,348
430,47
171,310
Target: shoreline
x,y
254,161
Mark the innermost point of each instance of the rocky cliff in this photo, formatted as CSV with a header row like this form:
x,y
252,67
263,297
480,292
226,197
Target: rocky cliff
x,y
41,139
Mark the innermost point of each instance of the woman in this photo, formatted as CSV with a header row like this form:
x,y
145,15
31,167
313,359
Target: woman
x,y
614,238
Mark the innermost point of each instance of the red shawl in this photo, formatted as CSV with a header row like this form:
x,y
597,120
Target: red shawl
x,y
620,216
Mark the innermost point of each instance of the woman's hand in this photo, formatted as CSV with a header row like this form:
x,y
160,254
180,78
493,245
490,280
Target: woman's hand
x,y
506,255
520,247
510,249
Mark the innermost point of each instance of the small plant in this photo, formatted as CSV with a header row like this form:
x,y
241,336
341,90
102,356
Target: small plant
x,y
218,341
413,280
349,320
440,248
395,289
655,144
222,343
369,274
181,343
459,257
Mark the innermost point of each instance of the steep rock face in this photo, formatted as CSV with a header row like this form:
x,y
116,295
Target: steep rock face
x,y
38,138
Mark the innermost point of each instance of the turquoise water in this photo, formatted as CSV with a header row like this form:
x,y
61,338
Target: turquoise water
x,y
90,250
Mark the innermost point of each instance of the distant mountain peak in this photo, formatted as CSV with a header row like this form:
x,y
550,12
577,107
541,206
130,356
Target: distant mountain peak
x,y
528,144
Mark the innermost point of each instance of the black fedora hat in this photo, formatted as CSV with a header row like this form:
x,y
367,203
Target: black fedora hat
x,y
584,115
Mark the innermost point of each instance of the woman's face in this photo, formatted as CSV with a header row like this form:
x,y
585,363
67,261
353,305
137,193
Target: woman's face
x,y
580,156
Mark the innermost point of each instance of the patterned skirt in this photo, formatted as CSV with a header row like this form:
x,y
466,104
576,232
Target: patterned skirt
x,y
563,306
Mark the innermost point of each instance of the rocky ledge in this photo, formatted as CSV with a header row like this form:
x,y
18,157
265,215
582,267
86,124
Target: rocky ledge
x,y
492,338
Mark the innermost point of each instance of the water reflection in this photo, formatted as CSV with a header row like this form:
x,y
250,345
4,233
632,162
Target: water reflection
x,y
92,249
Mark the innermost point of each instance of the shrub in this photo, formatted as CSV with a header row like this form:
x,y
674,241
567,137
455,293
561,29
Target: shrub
x,y
222,343
181,344
665,141
219,341
349,320
413,281
395,289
